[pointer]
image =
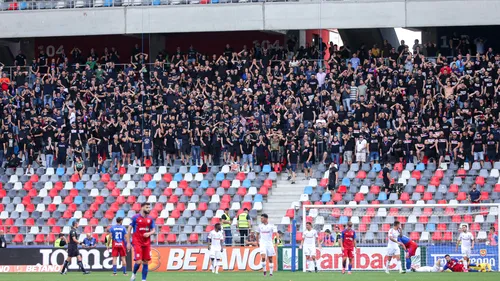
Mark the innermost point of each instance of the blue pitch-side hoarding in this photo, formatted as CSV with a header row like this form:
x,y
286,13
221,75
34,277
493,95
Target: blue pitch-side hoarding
x,y
480,254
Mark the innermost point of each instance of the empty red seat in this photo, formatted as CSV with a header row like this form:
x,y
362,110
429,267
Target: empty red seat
x,y
226,198
173,199
453,188
362,227
51,222
209,228
461,173
111,185
456,219
19,238
435,181
475,227
268,183
468,219
3,193
158,207
359,197
28,185
336,213
497,188
210,191
448,236
337,197
427,196
480,180
416,174
290,213
122,171
51,238
68,200
181,207
449,211
437,236
415,236
171,238
375,189
393,212
247,205
167,192
264,191
361,175
147,177
160,221
30,222
439,174
13,230
167,178
461,196
136,207
241,176
423,219
386,227
404,196
214,220
34,178
309,219
183,184
13,6
398,167
441,227
160,238
105,178
116,193
75,178
193,238
241,191
175,214
485,195
188,192
299,236
419,189
323,182
225,184
224,205
342,189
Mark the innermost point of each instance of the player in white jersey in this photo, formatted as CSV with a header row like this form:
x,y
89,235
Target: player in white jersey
x,y
393,247
438,267
309,239
265,233
216,247
466,239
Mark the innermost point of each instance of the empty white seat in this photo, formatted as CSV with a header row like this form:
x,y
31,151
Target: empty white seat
x,y
169,207
402,181
18,186
355,220
173,184
453,202
94,192
34,230
126,177
313,182
82,237
215,199
19,208
125,192
295,205
252,190
225,169
219,213
49,171
68,185
494,211
479,219
157,177
83,222
412,219
40,207
188,177
162,170
257,206
13,179
98,3
482,235
48,185
494,173
420,202
364,189
406,175
127,221
235,183
170,222
444,166
425,236
43,193
152,199
99,229
164,214
352,203
4,215
466,166
57,200
141,170
198,177
313,213
235,206
326,174
65,230
191,206
304,197
285,220
77,214
319,220
327,227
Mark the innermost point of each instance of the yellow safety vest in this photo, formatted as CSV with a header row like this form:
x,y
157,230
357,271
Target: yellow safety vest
x,y
227,218
242,220
57,243
108,241
278,242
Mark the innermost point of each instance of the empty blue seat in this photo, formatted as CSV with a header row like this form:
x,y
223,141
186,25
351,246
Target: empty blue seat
x,y
78,200
23,6
120,213
376,168
326,197
219,176
266,169
204,184
420,167
156,2
246,183
308,190
257,198
80,185
193,170
108,3
382,196
152,184
215,1
343,220
178,177
431,227
60,171
346,182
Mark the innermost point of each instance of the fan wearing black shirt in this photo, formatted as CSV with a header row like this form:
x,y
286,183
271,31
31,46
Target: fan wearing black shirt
x,y
247,149
293,158
386,176
332,178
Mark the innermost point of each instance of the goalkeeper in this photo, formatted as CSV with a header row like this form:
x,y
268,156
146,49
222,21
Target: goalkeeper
x,y
477,267
411,249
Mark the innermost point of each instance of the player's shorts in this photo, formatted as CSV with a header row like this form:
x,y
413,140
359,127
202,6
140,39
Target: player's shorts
x,y
142,253
411,248
458,268
348,253
310,251
73,251
216,254
466,252
268,251
392,251
118,250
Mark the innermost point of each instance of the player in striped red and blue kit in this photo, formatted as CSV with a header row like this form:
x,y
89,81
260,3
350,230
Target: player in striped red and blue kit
x,y
453,265
143,226
348,244
119,245
411,249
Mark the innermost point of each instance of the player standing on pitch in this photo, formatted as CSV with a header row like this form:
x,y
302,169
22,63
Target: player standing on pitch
x,y
348,244
143,227
393,247
215,246
265,233
411,249
310,237
73,249
466,239
118,233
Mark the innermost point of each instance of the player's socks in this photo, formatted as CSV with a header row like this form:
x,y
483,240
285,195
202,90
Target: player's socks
x,y
136,268
271,268
212,267
408,264
124,268
216,266
344,264
350,267
65,266
80,265
114,268
145,269
387,266
264,267
315,265
399,266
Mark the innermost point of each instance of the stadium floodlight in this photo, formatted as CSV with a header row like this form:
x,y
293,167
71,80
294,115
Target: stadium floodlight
x,y
435,228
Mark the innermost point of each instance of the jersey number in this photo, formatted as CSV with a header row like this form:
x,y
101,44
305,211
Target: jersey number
x,y
118,236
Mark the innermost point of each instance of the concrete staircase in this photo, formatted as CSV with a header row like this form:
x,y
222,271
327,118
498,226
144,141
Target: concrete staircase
x,y
282,197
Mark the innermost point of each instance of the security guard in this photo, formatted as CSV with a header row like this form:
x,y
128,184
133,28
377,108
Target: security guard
x,y
73,249
244,225
226,225
277,240
60,242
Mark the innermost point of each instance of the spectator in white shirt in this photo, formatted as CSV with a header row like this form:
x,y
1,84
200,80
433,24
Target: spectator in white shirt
x,y
320,76
361,150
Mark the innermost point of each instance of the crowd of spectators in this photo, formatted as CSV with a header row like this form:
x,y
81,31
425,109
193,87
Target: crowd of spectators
x,y
251,107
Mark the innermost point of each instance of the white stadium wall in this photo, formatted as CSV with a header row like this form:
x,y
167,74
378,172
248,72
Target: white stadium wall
x,y
249,16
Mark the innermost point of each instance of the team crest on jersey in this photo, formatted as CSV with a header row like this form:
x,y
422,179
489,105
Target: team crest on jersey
x,y
148,221
483,252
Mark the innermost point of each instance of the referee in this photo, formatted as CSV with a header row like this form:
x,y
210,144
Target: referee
x,y
73,249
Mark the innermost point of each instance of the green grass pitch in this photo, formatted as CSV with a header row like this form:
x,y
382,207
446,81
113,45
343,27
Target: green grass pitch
x,y
254,276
